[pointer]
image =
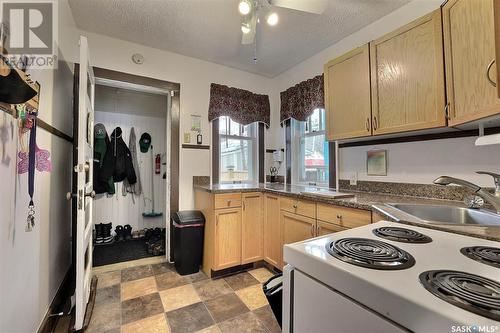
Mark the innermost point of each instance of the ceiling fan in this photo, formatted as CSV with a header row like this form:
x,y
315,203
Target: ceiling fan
x,y
253,10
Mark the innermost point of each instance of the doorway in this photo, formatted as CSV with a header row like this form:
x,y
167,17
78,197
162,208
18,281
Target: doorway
x,y
151,107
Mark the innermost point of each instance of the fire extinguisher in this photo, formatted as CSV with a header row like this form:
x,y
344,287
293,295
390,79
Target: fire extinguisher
x,y
157,164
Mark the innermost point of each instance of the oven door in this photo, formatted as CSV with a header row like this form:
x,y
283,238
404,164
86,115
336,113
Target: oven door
x,y
312,307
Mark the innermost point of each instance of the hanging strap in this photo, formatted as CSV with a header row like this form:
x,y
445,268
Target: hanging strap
x,y
30,222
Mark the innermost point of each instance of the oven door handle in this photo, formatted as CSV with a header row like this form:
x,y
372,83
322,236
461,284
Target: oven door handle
x,y
287,314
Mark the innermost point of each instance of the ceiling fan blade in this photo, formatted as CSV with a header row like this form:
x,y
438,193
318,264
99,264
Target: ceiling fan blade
x,y
310,6
249,37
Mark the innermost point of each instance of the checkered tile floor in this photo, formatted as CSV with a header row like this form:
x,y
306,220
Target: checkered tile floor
x,y
154,298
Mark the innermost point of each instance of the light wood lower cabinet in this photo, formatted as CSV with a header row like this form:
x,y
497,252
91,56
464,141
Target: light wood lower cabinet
x,y
272,230
343,216
297,228
325,228
252,228
258,227
227,238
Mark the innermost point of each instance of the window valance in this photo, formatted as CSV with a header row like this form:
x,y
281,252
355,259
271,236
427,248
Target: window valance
x,y
242,106
301,100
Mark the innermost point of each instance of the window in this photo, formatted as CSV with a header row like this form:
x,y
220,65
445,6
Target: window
x,y
238,159
311,149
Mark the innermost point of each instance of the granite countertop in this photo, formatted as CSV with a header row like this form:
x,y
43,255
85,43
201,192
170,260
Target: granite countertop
x,y
360,200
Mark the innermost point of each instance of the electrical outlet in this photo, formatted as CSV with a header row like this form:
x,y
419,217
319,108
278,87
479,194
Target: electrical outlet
x,y
353,179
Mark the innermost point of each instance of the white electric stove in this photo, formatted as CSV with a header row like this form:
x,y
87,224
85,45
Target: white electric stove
x,y
390,277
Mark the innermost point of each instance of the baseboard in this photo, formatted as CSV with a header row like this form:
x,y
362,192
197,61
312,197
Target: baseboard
x,y
63,292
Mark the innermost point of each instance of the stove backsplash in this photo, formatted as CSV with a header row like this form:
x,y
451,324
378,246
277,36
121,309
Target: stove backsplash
x,y
408,189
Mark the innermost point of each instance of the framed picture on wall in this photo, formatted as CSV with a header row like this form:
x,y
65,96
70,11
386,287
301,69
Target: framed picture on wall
x,y
195,123
376,163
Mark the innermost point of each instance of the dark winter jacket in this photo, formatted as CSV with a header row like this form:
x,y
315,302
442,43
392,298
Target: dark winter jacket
x,y
118,160
101,143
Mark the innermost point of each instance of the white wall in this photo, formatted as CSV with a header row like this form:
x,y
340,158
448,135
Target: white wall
x,y
128,110
422,162
418,162
33,264
194,77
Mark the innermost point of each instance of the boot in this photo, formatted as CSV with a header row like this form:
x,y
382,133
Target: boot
x,y
127,232
119,233
106,235
98,233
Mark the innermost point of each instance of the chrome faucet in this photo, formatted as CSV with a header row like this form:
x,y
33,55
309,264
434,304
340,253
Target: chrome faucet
x,y
496,179
492,199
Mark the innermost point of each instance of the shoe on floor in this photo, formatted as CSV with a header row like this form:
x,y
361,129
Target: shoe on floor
x,y
119,233
127,232
106,233
98,233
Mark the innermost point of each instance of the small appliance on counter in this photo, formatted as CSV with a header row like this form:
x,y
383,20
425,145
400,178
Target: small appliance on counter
x,y
273,171
389,277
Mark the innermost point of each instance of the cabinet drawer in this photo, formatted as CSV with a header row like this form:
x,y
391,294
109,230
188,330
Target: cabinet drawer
x,y
343,216
326,228
300,207
227,200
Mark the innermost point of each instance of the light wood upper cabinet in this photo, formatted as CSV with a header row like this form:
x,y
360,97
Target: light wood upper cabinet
x,y
252,227
347,95
296,227
469,41
227,238
272,230
407,77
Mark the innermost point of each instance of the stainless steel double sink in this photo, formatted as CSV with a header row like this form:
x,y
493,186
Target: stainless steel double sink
x,y
439,214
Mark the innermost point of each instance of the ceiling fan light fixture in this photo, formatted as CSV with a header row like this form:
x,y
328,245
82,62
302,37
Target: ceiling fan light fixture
x,y
245,7
272,19
245,28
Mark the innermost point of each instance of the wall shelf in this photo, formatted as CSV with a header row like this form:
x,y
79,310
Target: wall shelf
x,y
188,146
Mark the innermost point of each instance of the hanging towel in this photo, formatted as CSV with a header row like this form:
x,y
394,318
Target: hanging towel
x,y
127,187
118,161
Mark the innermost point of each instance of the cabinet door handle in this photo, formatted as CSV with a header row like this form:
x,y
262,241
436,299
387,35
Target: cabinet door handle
x,y
339,217
312,230
488,70
375,123
367,124
294,206
243,204
447,111
229,203
318,230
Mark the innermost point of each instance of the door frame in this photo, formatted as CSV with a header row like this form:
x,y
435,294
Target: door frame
x,y
103,73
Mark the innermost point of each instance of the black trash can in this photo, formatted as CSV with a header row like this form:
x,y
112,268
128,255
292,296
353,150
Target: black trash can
x,y
188,230
273,289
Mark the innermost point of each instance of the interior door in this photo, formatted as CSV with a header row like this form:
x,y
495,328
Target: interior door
x,y
85,193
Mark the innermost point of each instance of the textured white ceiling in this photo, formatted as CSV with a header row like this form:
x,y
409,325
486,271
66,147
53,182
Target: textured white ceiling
x,y
210,29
